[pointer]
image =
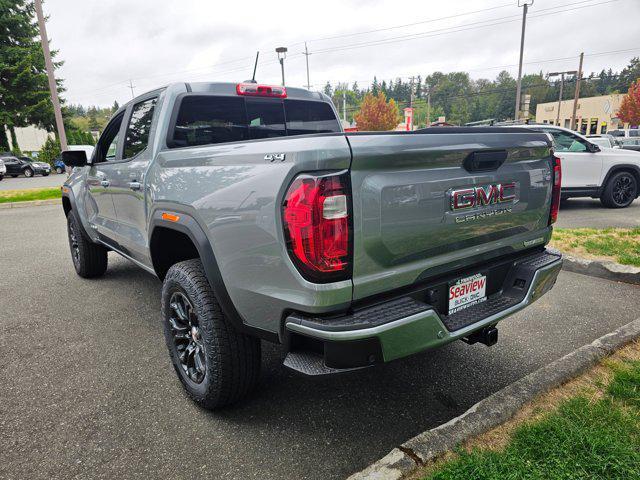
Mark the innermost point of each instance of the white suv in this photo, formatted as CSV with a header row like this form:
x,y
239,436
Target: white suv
x,y
3,169
612,175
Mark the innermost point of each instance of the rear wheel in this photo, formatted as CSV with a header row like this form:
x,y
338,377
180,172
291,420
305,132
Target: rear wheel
x,y
89,259
59,170
1,177
620,191
216,364
28,172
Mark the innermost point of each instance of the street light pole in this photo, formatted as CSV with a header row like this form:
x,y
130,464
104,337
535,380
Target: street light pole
x,y
525,4
53,87
282,54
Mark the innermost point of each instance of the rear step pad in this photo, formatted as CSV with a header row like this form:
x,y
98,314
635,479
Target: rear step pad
x,y
311,363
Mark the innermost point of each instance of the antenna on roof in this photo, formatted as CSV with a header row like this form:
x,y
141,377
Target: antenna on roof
x,y
255,67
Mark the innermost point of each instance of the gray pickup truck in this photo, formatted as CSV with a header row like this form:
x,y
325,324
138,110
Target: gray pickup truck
x,y
265,221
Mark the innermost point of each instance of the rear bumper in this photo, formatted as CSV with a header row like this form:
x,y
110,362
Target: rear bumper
x,y
407,325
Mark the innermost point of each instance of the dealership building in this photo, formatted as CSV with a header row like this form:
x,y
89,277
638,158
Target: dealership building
x,y
594,115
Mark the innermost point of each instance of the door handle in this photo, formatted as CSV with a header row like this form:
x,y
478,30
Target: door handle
x,y
104,183
135,185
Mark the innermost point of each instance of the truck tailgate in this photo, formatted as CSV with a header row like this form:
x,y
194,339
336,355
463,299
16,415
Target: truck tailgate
x,y
407,223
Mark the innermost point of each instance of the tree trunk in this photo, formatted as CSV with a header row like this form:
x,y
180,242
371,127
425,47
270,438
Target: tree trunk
x,y
14,139
4,143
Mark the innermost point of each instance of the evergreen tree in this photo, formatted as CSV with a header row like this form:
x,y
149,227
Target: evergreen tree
x,y
115,106
24,90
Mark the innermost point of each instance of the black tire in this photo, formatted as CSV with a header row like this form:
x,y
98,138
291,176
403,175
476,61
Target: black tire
x,y
227,366
620,190
28,172
59,170
1,177
45,174
89,259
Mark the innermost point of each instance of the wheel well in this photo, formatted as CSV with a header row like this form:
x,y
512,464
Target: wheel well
x,y
615,170
168,247
66,205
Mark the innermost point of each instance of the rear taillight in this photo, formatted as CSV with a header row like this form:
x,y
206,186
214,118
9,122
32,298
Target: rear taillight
x,y
315,214
555,195
255,90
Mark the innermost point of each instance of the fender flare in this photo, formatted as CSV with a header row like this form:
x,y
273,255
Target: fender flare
x,y
68,194
189,226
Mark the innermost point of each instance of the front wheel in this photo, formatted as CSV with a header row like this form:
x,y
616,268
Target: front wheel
x,y
620,191
59,170
28,172
216,364
89,259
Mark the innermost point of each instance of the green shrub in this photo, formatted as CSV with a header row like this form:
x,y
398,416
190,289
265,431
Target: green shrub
x,y
50,150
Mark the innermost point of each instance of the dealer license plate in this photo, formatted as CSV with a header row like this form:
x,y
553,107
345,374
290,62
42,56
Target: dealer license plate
x,y
467,292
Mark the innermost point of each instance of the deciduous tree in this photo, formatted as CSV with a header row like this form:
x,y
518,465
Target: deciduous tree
x,y
377,114
630,107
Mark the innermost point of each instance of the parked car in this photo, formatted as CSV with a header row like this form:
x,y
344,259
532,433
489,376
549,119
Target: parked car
x,y
612,175
631,144
625,133
58,164
264,220
3,169
605,140
25,166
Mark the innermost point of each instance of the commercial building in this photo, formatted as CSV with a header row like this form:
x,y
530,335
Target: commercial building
x,y
594,115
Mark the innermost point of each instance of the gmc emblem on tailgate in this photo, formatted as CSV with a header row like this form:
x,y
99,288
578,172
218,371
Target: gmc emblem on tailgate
x,y
481,196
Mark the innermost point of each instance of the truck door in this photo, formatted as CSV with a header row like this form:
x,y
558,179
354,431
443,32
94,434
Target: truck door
x,y
127,181
580,167
101,212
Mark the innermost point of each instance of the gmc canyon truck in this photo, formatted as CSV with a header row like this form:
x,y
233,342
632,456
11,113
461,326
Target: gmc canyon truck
x,y
265,221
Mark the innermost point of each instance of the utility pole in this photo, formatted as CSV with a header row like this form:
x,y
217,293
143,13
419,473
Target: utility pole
x,y
282,54
306,54
344,105
525,4
411,92
577,94
53,87
428,105
561,74
131,87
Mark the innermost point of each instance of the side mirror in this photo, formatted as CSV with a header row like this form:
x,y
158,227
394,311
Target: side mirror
x,y
593,148
74,158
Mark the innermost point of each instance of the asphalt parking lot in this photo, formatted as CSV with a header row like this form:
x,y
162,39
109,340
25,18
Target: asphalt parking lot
x,y
589,213
18,183
87,389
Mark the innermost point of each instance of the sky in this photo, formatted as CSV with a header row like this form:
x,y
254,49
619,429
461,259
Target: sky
x,y
108,43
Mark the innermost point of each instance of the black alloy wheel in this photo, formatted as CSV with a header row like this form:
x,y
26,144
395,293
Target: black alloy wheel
x,y
620,191
624,189
187,337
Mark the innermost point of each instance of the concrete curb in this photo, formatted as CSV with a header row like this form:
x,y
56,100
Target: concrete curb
x,y
31,203
602,269
495,409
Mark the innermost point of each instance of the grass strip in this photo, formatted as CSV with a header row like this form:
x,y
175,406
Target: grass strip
x,y
8,196
621,245
593,433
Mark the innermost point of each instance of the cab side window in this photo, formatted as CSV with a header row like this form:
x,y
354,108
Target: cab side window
x,y
137,136
565,142
107,147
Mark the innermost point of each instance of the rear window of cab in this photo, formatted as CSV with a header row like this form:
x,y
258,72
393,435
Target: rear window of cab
x,y
209,119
